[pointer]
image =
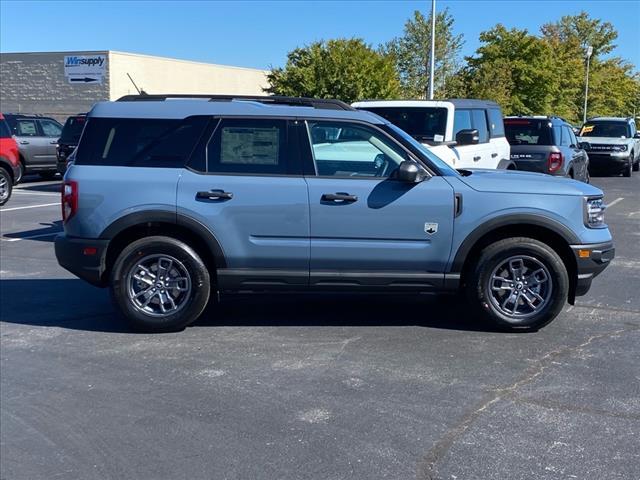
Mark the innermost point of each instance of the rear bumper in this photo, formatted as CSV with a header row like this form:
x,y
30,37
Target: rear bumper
x,y
71,255
589,267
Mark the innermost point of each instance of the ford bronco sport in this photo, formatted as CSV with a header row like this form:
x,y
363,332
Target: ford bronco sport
x,y
613,144
171,200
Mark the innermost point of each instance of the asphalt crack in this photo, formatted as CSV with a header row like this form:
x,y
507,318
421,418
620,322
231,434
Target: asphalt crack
x,y
427,466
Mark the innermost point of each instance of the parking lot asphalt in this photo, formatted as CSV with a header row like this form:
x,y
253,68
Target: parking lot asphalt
x,y
312,387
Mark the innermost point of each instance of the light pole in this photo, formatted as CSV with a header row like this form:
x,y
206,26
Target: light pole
x,y
586,85
432,60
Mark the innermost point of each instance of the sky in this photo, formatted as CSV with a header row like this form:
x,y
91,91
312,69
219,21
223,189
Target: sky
x,y
259,34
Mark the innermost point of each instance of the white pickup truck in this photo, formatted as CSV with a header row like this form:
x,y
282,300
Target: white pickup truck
x,y
465,133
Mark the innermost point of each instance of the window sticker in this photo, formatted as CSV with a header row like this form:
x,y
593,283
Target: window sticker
x,y
249,145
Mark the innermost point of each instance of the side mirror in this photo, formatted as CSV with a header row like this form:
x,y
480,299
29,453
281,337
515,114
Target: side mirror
x,y
468,136
409,172
583,145
637,135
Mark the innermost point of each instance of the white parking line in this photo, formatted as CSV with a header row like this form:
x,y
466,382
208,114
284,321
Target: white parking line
x,y
30,206
27,192
617,200
17,239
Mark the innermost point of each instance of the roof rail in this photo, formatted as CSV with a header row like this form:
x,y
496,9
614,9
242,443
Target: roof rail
x,y
320,103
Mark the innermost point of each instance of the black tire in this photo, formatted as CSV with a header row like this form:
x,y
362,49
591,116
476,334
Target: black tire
x,y
20,173
479,283
6,186
636,166
628,169
48,175
193,302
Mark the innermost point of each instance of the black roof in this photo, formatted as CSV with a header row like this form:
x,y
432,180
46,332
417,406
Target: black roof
x,y
321,103
472,103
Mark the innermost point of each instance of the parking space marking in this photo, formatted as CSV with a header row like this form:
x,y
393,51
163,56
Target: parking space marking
x,y
617,200
17,239
27,192
30,206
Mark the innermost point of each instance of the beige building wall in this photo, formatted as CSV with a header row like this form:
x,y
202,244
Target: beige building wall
x,y
35,82
167,75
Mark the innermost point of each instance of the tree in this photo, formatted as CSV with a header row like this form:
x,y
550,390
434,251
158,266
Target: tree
x,y
346,69
514,68
584,31
411,53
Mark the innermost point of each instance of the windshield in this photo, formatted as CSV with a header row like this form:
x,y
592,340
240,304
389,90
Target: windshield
x,y
423,123
523,131
605,129
72,129
443,166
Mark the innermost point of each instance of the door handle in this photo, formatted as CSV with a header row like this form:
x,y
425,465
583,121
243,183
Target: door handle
x,y
214,195
53,142
476,159
24,142
494,155
339,197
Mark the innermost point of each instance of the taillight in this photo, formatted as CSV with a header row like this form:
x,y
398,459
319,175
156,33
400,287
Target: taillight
x,y
69,199
555,162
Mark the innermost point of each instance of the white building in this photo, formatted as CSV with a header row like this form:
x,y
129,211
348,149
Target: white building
x,y
62,83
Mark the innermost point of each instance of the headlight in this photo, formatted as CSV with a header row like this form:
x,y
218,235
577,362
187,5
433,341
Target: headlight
x,y
594,212
621,148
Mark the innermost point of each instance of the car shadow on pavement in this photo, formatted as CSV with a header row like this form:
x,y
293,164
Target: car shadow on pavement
x,y
73,304
33,184
46,234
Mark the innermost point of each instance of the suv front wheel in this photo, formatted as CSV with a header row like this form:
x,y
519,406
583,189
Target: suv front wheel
x,y
160,284
519,283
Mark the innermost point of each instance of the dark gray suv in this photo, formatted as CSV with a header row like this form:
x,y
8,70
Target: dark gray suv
x,y
546,145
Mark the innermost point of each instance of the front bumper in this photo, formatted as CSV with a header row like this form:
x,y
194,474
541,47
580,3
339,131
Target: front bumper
x,y
77,256
591,265
605,161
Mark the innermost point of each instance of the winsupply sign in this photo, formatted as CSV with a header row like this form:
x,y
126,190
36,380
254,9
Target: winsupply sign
x,y
82,69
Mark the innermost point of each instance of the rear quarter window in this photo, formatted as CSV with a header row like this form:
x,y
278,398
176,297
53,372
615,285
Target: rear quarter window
x,y
139,142
496,123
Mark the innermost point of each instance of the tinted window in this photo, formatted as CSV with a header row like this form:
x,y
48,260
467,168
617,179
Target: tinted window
x,y
606,129
480,123
496,125
248,146
461,121
50,128
139,142
72,129
352,150
4,129
420,123
527,132
26,128
572,137
557,136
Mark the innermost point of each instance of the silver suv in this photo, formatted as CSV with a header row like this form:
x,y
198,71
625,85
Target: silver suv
x,y
37,138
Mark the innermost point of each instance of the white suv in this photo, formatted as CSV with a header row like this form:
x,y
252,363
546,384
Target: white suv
x,y
464,133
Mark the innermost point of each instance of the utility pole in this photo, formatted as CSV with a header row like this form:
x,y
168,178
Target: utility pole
x,y
586,85
432,66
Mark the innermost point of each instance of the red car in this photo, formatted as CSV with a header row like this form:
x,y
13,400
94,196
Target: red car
x,y
9,166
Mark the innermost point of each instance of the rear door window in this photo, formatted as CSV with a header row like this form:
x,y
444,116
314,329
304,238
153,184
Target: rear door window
x,y
50,128
248,146
480,123
139,142
496,123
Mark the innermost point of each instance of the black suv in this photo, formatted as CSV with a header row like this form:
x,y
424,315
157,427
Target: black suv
x,y
546,145
69,139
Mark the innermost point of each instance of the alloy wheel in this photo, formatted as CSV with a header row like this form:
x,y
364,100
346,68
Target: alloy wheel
x,y
159,285
520,287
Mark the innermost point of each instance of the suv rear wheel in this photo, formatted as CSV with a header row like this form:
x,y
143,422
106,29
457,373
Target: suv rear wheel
x,y
160,284
519,283
6,185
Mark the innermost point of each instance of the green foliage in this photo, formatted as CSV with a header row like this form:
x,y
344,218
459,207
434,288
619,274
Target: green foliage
x,y
346,69
411,53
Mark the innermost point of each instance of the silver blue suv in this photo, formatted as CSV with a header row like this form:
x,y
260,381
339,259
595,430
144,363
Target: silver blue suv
x,y
171,200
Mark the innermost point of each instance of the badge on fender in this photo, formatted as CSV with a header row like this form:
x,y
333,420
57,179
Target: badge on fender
x,y
430,228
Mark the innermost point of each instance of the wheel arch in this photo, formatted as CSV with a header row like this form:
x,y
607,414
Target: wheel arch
x,y
181,227
543,229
